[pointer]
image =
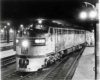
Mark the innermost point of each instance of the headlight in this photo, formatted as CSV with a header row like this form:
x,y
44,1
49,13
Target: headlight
x,y
39,41
25,43
17,40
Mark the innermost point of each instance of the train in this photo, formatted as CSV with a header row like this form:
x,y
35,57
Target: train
x,y
42,42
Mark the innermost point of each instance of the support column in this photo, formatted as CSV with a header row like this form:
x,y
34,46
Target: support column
x,y
14,39
97,51
7,34
97,45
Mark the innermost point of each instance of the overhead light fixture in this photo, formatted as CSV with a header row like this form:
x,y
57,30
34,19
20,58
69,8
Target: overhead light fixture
x,y
92,14
83,15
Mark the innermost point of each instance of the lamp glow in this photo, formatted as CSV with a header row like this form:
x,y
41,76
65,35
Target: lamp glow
x,y
31,25
83,15
8,24
92,14
2,30
17,40
18,31
11,31
39,21
21,26
5,26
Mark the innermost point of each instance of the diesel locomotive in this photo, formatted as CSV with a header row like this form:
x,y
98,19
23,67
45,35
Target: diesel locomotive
x,y
43,42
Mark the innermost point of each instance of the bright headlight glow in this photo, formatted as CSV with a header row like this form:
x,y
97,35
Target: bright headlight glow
x,y
92,14
83,15
25,43
39,41
39,21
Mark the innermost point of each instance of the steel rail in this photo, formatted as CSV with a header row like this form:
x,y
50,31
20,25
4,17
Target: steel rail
x,y
8,60
5,48
73,65
53,71
59,67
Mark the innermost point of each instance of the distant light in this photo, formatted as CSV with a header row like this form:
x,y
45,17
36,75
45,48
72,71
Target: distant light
x,y
18,31
31,25
5,26
8,24
2,30
11,31
21,26
83,15
92,14
24,32
17,40
39,21
93,31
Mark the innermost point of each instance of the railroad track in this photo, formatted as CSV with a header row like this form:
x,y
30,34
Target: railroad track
x,y
52,75
7,61
15,75
63,71
5,48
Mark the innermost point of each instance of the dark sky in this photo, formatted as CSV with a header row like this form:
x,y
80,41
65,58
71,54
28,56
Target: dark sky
x,y
23,9
16,10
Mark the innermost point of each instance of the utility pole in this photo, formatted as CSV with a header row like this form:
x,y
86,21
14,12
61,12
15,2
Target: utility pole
x,y
14,39
7,34
8,26
97,47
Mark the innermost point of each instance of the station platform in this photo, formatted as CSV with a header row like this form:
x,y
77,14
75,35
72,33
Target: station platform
x,y
5,41
6,44
85,68
7,53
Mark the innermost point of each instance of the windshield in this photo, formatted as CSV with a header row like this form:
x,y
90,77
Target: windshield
x,y
34,31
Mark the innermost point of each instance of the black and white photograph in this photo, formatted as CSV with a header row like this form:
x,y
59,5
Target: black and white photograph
x,y
49,40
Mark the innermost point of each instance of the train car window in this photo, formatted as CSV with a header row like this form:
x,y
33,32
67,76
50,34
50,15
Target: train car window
x,y
59,31
55,30
69,31
77,32
72,31
41,28
51,30
37,29
64,31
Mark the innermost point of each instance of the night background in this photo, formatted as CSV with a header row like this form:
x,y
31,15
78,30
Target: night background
x,y
19,10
